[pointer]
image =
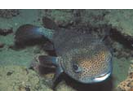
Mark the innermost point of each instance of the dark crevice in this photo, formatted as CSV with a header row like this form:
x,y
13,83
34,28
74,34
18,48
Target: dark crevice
x,y
126,41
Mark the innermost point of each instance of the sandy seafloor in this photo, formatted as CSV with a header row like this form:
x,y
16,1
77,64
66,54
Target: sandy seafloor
x,y
14,75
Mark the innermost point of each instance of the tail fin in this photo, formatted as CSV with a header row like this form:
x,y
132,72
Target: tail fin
x,y
29,35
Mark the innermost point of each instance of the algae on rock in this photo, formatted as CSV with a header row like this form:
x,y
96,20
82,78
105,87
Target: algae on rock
x,y
122,20
18,78
120,69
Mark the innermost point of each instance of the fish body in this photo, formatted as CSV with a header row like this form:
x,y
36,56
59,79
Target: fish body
x,y
83,57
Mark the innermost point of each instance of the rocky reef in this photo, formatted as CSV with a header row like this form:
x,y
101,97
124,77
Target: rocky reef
x,y
121,20
14,72
127,84
18,78
8,13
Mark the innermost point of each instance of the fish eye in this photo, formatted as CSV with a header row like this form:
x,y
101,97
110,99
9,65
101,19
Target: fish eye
x,y
76,68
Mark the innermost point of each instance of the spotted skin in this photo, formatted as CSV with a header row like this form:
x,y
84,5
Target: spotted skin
x,y
86,51
82,56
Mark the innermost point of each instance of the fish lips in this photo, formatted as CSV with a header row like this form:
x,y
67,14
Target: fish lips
x,y
98,79
101,78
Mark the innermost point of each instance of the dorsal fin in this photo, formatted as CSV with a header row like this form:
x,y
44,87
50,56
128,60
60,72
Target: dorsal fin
x,y
48,23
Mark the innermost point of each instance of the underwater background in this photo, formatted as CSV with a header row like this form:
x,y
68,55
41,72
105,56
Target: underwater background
x,y
14,72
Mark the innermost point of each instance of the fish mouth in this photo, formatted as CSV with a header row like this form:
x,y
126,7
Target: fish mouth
x,y
96,79
101,77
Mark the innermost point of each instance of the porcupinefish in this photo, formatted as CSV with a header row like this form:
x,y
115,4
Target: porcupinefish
x,y
83,57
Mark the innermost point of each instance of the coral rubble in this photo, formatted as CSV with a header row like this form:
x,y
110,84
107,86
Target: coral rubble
x,y
127,84
121,20
9,13
18,78
5,32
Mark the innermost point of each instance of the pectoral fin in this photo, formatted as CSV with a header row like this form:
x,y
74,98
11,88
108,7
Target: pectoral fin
x,y
49,60
58,72
53,83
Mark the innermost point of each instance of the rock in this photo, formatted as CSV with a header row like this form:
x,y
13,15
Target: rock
x,y
9,13
65,18
62,86
93,18
18,78
5,32
121,20
2,45
62,18
120,70
127,84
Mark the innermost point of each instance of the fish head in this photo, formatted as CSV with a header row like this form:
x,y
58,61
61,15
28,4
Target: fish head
x,y
90,65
